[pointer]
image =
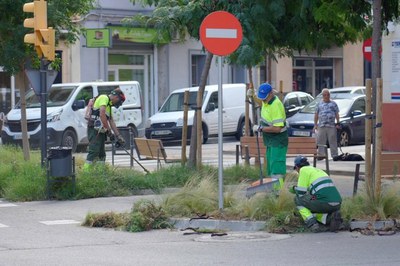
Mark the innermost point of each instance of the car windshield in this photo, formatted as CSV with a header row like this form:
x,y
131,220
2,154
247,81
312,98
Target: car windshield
x,y
174,103
343,104
56,96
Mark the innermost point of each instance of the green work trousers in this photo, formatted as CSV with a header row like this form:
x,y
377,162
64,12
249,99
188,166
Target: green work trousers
x,y
276,161
96,151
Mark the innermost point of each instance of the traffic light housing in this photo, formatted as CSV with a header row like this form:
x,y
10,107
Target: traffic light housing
x,y
43,38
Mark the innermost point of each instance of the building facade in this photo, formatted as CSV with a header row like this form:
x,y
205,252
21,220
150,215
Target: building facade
x,y
130,55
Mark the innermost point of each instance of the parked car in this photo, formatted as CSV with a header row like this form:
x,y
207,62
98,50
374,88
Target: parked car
x,y
167,123
348,89
352,118
295,101
66,108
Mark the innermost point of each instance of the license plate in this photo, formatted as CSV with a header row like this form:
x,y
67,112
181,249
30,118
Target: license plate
x,y
18,136
161,132
301,133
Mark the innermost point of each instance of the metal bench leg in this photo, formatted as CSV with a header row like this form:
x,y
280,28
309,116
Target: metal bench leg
x,y
237,154
247,156
356,179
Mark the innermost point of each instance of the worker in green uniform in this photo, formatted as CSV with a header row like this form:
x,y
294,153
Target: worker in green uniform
x,y
317,198
274,132
101,125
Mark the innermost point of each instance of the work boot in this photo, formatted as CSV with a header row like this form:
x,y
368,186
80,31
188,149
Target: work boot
x,y
318,228
335,221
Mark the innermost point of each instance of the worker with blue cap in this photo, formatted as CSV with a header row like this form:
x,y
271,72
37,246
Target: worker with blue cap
x,y
274,132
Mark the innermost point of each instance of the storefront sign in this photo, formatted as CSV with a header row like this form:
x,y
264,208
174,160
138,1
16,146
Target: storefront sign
x,y
138,35
98,38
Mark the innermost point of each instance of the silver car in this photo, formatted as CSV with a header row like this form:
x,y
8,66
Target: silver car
x,y
352,118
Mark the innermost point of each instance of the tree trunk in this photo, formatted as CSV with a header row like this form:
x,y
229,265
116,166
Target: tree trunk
x,y
194,138
24,127
376,73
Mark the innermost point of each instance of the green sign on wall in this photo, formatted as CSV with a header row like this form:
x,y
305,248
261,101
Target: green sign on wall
x,y
138,35
98,38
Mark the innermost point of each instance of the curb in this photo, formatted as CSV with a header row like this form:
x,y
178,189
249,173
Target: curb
x,y
182,223
373,225
251,226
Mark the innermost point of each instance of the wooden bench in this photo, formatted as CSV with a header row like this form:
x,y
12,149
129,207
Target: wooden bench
x,y
390,168
305,146
152,149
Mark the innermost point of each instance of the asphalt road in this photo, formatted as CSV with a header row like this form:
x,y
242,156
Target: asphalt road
x,y
49,233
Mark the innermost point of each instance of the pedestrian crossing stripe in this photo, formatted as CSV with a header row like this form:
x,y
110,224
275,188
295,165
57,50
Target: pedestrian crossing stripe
x,y
3,225
60,222
7,205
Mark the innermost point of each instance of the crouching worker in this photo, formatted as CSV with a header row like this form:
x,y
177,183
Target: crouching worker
x,y
317,199
101,125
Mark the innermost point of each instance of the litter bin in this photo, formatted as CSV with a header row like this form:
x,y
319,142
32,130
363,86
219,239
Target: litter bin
x,y
60,159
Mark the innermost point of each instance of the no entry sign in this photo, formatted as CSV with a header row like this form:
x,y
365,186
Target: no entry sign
x,y
221,33
367,49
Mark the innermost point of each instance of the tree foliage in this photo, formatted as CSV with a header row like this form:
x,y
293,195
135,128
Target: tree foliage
x,y
61,14
273,27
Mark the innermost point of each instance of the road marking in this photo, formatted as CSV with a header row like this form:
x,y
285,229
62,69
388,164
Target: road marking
x,y
3,225
60,222
7,205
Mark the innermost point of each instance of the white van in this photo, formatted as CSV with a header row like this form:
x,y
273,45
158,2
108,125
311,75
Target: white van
x,y
66,107
167,123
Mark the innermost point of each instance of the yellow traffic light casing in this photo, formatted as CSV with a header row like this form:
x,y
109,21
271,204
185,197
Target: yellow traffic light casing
x,y
48,45
42,37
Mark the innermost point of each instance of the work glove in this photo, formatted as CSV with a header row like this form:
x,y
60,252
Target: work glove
x,y
121,140
292,189
257,128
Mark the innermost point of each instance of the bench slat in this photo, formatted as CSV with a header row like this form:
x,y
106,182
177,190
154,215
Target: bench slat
x,y
296,145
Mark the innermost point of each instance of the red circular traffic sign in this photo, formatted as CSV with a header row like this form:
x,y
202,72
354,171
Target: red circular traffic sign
x,y
367,49
221,33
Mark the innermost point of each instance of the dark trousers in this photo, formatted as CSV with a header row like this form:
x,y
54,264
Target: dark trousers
x,y
314,205
96,150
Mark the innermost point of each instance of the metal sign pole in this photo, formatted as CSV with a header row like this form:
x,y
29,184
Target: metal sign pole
x,y
220,137
43,113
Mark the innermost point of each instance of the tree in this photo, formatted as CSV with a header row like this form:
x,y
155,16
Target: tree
x,y
61,14
274,28
14,53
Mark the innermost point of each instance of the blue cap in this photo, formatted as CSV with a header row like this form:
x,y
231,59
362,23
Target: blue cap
x,y
299,161
264,90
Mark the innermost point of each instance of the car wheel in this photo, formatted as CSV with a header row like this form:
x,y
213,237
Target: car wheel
x,y
344,138
129,138
240,131
134,131
69,140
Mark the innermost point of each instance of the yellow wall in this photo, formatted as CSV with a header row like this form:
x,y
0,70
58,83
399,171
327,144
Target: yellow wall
x,y
353,65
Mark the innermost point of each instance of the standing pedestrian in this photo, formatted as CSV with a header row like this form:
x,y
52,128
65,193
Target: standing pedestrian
x,y
274,132
317,198
324,124
101,125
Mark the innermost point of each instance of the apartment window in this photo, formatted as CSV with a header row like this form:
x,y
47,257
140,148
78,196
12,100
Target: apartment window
x,y
197,65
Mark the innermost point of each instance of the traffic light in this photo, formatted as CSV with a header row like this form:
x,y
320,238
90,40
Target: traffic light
x,y
42,38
